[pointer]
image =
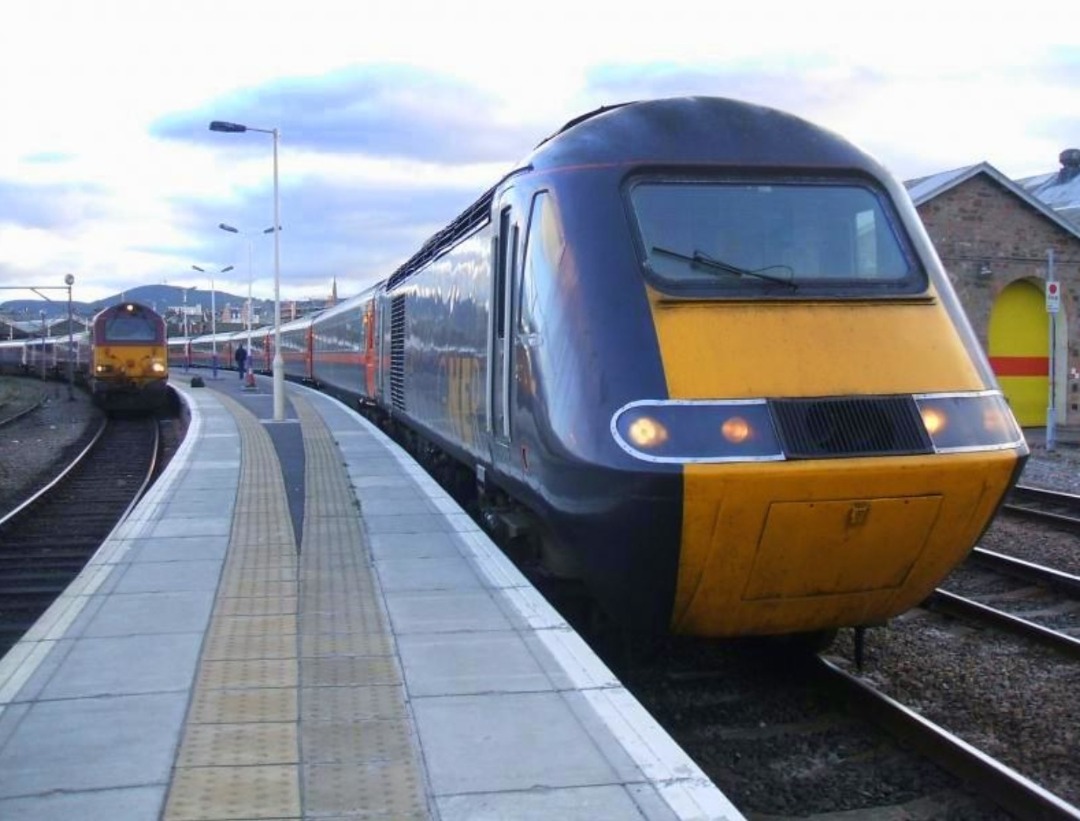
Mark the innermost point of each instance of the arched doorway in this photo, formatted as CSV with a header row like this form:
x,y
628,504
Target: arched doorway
x,y
1019,342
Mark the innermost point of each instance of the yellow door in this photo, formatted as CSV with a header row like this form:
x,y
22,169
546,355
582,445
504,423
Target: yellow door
x,y
1019,340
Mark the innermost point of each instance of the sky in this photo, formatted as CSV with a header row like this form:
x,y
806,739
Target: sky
x,y
396,115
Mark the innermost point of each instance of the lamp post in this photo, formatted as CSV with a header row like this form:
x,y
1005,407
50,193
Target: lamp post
x,y
69,280
213,318
187,337
41,314
250,248
279,362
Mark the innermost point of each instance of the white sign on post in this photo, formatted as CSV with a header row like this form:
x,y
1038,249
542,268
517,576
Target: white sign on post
x,y
1053,297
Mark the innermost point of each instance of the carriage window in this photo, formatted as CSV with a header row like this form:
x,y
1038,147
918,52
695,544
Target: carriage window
x,y
784,239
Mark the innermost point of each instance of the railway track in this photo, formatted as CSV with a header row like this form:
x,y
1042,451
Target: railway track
x,y
1039,604
787,736
46,540
1047,506
1005,787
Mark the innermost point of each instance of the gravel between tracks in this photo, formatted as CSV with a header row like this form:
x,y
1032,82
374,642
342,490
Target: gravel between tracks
x,y
34,446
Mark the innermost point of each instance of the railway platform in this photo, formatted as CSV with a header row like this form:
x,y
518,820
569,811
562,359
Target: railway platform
x,y
297,622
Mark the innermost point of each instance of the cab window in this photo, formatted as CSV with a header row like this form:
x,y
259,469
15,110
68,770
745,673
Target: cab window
x,y
782,238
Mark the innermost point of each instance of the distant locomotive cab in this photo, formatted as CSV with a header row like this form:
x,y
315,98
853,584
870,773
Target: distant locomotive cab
x,y
129,367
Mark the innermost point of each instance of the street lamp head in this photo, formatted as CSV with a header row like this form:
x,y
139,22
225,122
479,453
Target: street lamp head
x,y
223,270
200,270
228,228
270,230
230,128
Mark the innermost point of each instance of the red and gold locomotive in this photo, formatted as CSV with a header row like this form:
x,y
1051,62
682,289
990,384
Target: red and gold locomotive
x,y
129,367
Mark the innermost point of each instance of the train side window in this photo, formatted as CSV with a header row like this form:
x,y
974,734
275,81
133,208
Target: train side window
x,y
544,245
502,265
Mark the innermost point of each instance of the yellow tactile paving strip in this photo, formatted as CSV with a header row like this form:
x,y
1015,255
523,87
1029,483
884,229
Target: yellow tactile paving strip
x,y
358,752
240,755
298,709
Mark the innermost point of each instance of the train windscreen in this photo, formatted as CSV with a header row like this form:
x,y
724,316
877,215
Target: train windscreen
x,y
805,238
122,328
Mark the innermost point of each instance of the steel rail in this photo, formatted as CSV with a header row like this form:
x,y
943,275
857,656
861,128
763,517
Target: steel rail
x,y
1014,504
15,417
941,601
148,480
1042,493
59,477
998,782
1027,571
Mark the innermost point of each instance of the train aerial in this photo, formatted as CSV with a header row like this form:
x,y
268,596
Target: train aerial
x,y
701,356
129,368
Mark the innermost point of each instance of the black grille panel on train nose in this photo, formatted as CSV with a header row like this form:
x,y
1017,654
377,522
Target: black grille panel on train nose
x,y
850,426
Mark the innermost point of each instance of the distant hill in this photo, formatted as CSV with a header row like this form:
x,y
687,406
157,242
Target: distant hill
x,y
158,297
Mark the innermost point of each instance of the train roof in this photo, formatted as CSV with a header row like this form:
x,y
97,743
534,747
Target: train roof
x,y
699,130
116,306
675,131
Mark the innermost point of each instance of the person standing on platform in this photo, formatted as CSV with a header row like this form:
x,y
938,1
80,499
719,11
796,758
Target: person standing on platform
x,y
241,359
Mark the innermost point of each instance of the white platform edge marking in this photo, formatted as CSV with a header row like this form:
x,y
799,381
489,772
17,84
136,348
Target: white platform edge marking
x,y
24,658
677,779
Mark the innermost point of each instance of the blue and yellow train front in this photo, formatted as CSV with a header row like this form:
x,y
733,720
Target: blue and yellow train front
x,y
842,482
841,441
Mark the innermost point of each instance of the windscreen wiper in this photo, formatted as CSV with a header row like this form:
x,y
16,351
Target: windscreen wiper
x,y
700,258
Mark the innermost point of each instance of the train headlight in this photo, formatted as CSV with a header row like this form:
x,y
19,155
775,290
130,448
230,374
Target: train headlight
x,y
157,367
697,431
958,422
645,432
933,420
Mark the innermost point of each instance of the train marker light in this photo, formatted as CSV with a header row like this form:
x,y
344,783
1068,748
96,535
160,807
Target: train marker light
x,y
736,430
994,421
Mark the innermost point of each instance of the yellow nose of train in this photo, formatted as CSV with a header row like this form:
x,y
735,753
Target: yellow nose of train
x,y
838,482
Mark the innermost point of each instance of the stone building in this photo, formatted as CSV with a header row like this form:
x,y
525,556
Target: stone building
x,y
1001,245
1059,189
